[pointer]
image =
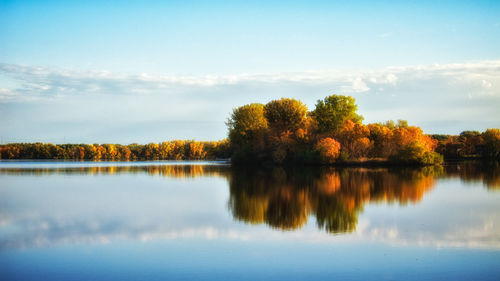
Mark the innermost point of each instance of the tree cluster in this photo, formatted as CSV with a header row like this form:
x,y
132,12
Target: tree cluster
x,y
284,131
470,144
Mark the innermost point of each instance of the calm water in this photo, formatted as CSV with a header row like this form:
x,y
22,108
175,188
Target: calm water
x,y
208,221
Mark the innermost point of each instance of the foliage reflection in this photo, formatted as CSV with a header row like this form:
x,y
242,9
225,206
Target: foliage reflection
x,y
486,172
284,199
169,171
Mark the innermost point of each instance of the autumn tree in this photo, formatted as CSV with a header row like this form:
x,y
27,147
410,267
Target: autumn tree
x,y
417,153
332,112
196,150
354,139
246,122
381,136
329,150
491,139
287,120
178,150
285,115
470,141
125,153
410,145
247,129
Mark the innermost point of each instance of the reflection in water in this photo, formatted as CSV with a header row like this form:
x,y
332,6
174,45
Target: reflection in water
x,y
68,212
170,171
281,198
486,172
284,199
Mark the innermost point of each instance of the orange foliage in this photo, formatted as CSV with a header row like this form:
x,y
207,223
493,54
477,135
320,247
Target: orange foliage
x,y
354,139
329,149
404,136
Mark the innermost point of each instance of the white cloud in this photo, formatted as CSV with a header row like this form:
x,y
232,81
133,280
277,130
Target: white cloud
x,y
445,98
358,86
47,82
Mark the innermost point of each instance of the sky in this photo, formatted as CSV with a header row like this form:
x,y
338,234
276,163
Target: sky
x,y
150,71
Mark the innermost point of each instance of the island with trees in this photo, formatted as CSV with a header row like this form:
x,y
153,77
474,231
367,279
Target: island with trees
x,y
285,132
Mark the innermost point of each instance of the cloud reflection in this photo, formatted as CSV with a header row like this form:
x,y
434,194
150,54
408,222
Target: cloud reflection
x,y
357,205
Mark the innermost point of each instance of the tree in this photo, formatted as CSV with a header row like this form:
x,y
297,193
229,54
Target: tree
x,y
125,152
381,137
245,122
329,150
354,139
196,150
178,150
402,124
332,112
469,142
417,152
491,139
164,150
151,151
285,115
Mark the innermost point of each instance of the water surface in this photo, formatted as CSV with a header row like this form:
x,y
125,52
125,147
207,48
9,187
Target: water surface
x,y
207,220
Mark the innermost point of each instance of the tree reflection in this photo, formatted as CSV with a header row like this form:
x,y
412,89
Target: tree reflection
x,y
486,172
169,171
284,199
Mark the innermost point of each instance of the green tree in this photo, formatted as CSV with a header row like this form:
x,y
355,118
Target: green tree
x,y
333,111
245,122
402,124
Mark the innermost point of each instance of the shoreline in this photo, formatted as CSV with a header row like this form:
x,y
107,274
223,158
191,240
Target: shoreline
x,y
351,163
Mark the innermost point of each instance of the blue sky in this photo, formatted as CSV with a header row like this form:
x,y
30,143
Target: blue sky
x,y
109,71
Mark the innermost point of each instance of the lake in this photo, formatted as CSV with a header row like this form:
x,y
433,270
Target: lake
x,y
210,221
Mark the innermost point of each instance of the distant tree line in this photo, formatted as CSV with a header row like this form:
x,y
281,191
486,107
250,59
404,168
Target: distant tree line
x,y
470,145
170,150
